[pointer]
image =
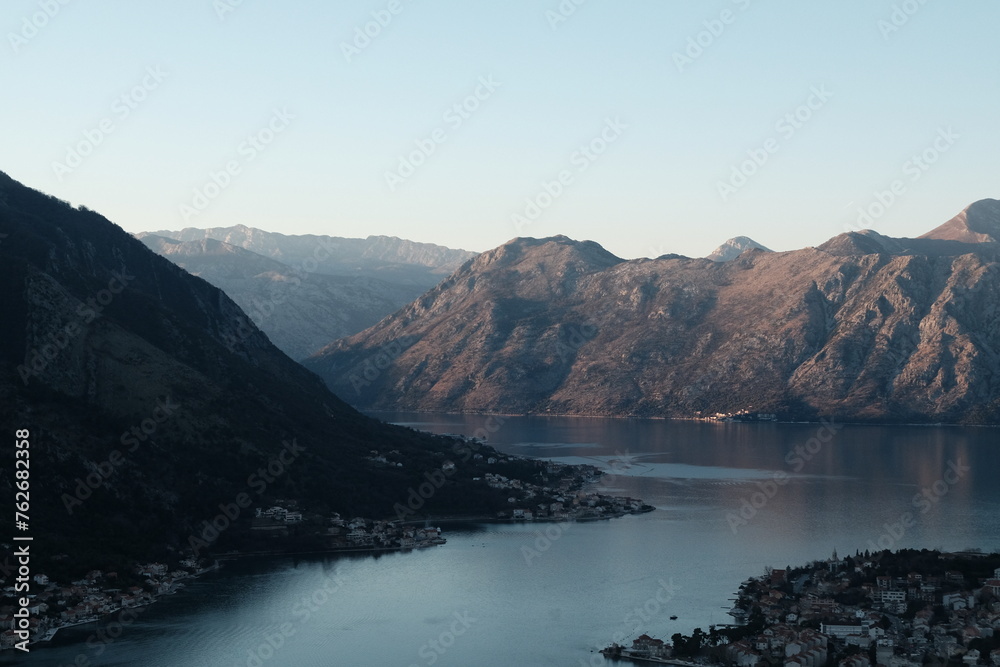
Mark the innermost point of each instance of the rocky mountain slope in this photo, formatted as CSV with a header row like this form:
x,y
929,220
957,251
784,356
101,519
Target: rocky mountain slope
x,y
300,311
863,327
153,405
979,223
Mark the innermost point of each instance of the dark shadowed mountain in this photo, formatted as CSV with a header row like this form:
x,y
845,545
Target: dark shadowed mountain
x,y
733,248
300,311
863,327
152,402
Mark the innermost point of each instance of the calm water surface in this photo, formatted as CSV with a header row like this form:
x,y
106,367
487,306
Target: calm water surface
x,y
731,499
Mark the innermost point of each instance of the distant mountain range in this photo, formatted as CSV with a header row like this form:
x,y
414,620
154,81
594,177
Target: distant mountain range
x,y
305,291
863,327
153,405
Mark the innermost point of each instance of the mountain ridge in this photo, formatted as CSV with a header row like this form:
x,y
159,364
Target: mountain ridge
x,y
862,327
335,255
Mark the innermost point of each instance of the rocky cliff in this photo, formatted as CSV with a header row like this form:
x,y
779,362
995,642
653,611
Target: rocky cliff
x,y
863,327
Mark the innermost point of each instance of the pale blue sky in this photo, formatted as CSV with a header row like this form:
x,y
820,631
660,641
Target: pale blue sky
x,y
680,130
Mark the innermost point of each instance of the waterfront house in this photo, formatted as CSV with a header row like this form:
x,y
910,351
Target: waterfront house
x,y
647,647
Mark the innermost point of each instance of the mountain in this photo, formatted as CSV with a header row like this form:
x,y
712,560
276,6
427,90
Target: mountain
x,y
384,257
154,409
979,223
863,327
733,248
299,311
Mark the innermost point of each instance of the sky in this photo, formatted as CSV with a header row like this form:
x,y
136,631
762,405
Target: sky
x,y
649,126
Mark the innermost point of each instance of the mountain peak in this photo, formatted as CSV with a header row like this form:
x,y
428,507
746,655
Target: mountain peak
x,y
735,247
552,249
977,223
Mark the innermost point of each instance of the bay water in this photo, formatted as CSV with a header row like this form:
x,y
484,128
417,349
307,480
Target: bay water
x,y
730,498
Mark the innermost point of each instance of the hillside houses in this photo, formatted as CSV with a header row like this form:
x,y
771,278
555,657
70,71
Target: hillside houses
x,y
902,609
864,605
96,595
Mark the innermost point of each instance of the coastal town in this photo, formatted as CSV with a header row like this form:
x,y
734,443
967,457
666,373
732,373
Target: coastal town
x,y
557,493
96,595
887,609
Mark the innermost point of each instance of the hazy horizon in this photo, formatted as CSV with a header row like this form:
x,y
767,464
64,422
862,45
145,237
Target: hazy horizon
x,y
915,233
648,128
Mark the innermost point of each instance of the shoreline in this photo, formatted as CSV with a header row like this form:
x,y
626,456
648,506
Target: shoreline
x,y
707,420
50,634
229,556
